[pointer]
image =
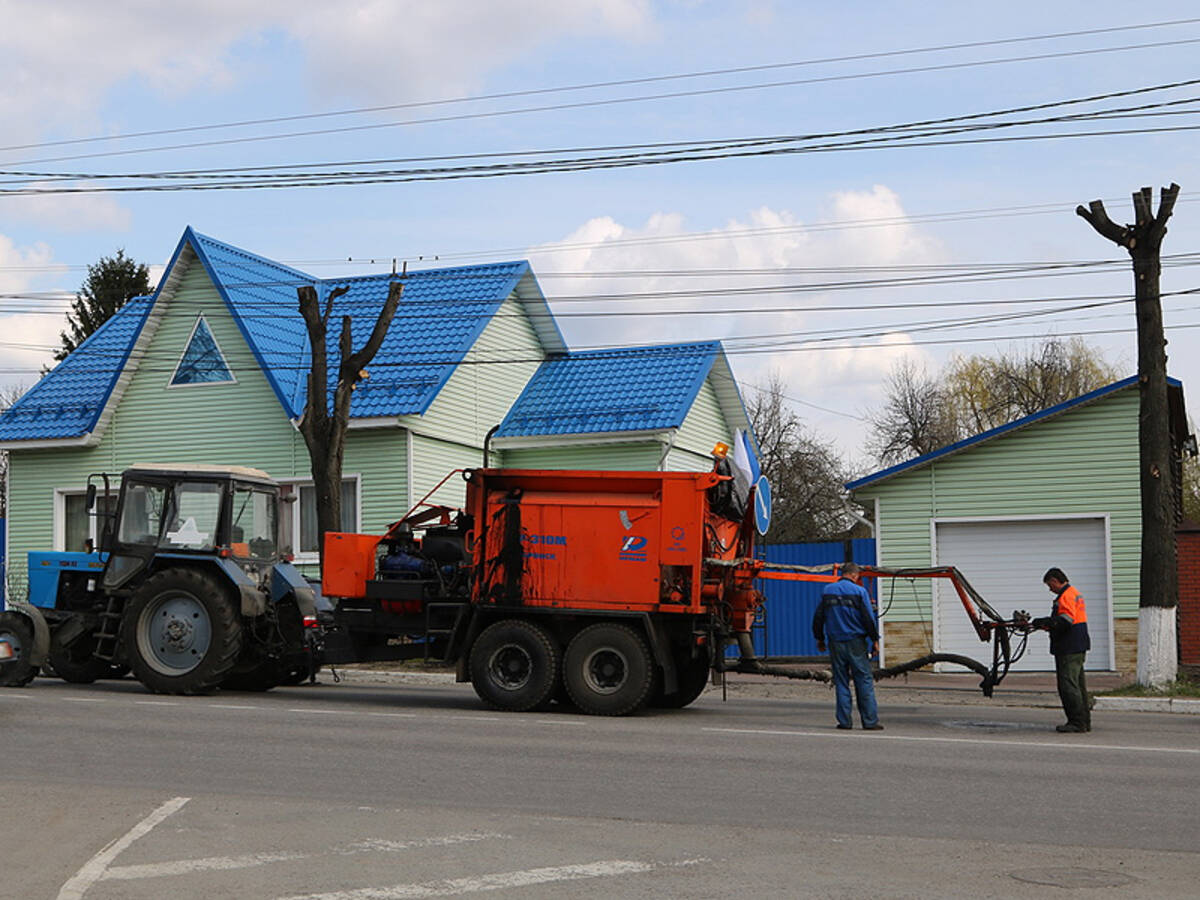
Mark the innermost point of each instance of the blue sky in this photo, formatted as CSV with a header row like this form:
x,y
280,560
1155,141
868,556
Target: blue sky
x,y
77,70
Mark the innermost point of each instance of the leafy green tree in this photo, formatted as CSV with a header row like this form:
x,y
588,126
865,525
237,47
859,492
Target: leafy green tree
x,y
109,285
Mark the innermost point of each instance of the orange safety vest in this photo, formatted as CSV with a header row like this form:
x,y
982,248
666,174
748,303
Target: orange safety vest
x,y
1070,604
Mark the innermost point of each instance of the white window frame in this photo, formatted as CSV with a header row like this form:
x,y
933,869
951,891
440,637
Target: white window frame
x,y
186,346
60,518
292,511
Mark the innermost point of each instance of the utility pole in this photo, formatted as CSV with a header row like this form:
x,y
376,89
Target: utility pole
x,y
1157,605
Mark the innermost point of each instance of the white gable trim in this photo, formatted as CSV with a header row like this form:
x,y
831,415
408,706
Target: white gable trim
x,y
86,440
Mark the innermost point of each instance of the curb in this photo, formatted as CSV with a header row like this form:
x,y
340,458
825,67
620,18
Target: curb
x,y
1149,704
374,676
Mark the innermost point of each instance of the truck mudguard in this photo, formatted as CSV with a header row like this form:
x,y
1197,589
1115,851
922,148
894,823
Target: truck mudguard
x,y
286,579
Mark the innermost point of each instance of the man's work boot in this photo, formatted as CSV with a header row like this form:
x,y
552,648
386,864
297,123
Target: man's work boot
x,y
1070,728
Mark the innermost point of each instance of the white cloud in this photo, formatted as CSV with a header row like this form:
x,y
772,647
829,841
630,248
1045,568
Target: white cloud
x,y
25,334
775,328
68,212
59,60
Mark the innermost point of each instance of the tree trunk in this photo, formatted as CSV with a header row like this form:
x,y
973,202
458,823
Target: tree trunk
x,y
1159,598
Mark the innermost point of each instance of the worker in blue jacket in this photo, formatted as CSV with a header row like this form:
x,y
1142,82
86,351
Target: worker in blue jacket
x,y
845,621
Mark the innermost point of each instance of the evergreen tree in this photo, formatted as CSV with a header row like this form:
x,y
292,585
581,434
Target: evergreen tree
x,y
109,285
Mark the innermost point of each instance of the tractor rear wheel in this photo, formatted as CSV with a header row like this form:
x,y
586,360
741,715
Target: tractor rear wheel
x,y
75,663
18,632
514,665
608,670
182,632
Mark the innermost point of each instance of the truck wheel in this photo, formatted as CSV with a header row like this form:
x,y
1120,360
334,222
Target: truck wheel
x,y
514,665
608,670
692,677
18,631
75,664
182,632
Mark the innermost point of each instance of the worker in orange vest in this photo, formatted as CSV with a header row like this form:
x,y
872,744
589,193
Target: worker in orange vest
x,y
1069,643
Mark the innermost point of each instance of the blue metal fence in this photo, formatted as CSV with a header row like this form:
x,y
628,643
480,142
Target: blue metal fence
x,y
3,580
787,629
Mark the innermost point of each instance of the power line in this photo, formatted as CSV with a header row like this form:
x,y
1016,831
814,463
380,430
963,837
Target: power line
x,y
611,101
606,84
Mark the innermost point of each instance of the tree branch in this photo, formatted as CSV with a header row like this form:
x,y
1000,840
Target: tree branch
x,y
1105,227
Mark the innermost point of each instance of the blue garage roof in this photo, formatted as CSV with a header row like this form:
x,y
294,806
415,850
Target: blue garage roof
x,y
598,391
68,401
441,314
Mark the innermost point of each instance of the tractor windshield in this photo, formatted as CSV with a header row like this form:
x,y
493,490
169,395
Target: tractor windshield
x,y
254,523
193,513
141,515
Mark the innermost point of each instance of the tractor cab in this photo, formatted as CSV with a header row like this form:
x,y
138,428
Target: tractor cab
x,y
176,511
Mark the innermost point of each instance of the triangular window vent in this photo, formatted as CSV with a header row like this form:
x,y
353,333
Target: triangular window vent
x,y
202,361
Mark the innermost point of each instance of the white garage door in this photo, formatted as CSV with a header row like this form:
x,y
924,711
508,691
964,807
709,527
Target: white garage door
x,y
1005,562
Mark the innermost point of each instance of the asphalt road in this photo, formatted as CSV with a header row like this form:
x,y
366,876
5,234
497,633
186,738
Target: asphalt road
x,y
363,792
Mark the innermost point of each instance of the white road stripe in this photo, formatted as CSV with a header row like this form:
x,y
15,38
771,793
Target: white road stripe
x,y
156,702
1074,745
498,881
558,722
13,695
83,699
252,860
328,712
230,706
207,864
93,870
393,715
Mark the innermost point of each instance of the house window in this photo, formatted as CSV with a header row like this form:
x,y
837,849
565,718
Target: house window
x,y
299,531
78,526
202,362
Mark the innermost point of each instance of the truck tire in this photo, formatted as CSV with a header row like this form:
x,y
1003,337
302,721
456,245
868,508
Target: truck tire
x,y
692,676
18,631
75,663
608,670
182,632
514,666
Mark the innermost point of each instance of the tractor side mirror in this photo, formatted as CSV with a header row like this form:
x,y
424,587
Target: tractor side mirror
x,y
91,497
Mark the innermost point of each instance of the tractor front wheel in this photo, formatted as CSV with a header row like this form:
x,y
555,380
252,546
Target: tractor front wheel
x,y
75,663
182,632
17,631
608,670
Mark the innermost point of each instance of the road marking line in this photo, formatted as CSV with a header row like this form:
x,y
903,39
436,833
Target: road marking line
x,y
230,706
393,715
206,864
93,870
156,702
13,695
83,699
557,722
948,740
327,712
251,860
498,881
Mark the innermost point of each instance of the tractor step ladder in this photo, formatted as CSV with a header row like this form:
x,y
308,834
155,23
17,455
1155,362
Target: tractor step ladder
x,y
109,635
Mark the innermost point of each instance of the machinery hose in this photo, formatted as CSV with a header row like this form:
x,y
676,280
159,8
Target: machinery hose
x,y
755,666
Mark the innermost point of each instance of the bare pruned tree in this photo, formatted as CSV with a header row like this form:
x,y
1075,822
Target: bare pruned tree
x,y
806,474
325,418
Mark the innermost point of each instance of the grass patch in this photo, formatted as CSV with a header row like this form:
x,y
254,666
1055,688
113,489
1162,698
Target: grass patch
x,y
1181,687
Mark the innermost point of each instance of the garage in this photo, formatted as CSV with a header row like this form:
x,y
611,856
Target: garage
x,y
1004,559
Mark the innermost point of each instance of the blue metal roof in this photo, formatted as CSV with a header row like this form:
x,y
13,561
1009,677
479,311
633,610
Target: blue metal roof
x,y
598,391
996,432
441,314
67,401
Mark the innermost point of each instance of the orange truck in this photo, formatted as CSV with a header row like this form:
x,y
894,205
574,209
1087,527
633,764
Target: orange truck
x,y
609,590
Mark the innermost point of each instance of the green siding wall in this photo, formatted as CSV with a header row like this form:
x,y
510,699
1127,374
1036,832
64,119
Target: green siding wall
x,y
701,429
433,460
482,390
639,456
1082,461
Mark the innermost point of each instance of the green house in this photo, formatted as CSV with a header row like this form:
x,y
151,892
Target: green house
x,y
212,368
1058,488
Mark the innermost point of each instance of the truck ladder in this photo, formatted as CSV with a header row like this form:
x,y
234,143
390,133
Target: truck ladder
x,y
109,634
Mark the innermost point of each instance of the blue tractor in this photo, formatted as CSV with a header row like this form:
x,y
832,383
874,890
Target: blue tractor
x,y
188,590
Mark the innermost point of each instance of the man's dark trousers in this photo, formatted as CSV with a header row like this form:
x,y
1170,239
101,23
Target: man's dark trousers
x,y
1072,689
